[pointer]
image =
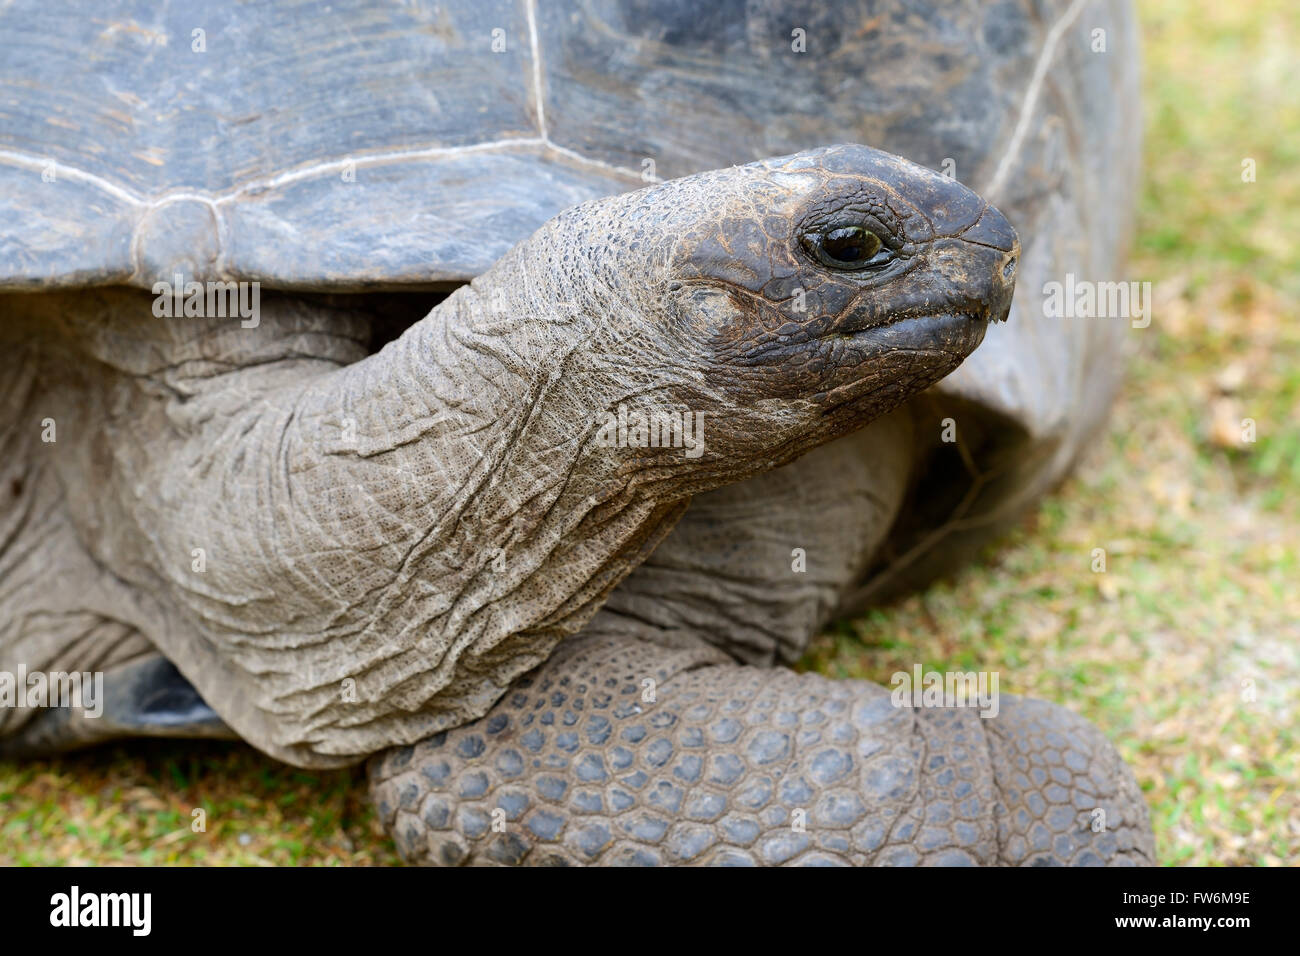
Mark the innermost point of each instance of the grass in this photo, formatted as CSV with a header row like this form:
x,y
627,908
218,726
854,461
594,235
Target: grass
x,y
1186,651
136,805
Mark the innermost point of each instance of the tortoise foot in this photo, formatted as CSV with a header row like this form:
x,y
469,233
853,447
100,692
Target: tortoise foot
x,y
622,752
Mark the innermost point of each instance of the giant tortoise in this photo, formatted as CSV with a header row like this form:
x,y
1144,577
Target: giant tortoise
x,y
464,386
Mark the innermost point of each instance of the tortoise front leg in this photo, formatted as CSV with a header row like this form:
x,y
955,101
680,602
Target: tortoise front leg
x,y
621,751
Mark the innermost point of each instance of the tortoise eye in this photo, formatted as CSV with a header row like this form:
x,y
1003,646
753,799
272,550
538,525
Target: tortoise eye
x,y
846,247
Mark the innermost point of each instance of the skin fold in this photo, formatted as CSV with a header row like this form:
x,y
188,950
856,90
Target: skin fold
x,y
345,553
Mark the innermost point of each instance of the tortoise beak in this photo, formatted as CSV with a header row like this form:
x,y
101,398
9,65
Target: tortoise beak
x,y
1006,277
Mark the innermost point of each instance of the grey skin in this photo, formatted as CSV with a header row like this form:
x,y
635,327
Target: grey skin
x,y
351,512
430,521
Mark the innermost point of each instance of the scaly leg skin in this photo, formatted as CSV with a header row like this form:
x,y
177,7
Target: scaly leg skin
x,y
619,751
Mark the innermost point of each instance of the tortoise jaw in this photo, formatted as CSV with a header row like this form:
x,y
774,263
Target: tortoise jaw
x,y
954,331
884,364
914,321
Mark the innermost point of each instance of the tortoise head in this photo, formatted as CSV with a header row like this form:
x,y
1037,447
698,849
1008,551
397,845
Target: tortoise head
x,y
798,298
844,277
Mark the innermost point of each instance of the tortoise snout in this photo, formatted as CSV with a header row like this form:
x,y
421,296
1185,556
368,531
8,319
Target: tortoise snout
x,y
1004,280
993,231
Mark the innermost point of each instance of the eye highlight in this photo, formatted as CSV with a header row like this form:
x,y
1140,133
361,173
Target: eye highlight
x,y
850,244
847,246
